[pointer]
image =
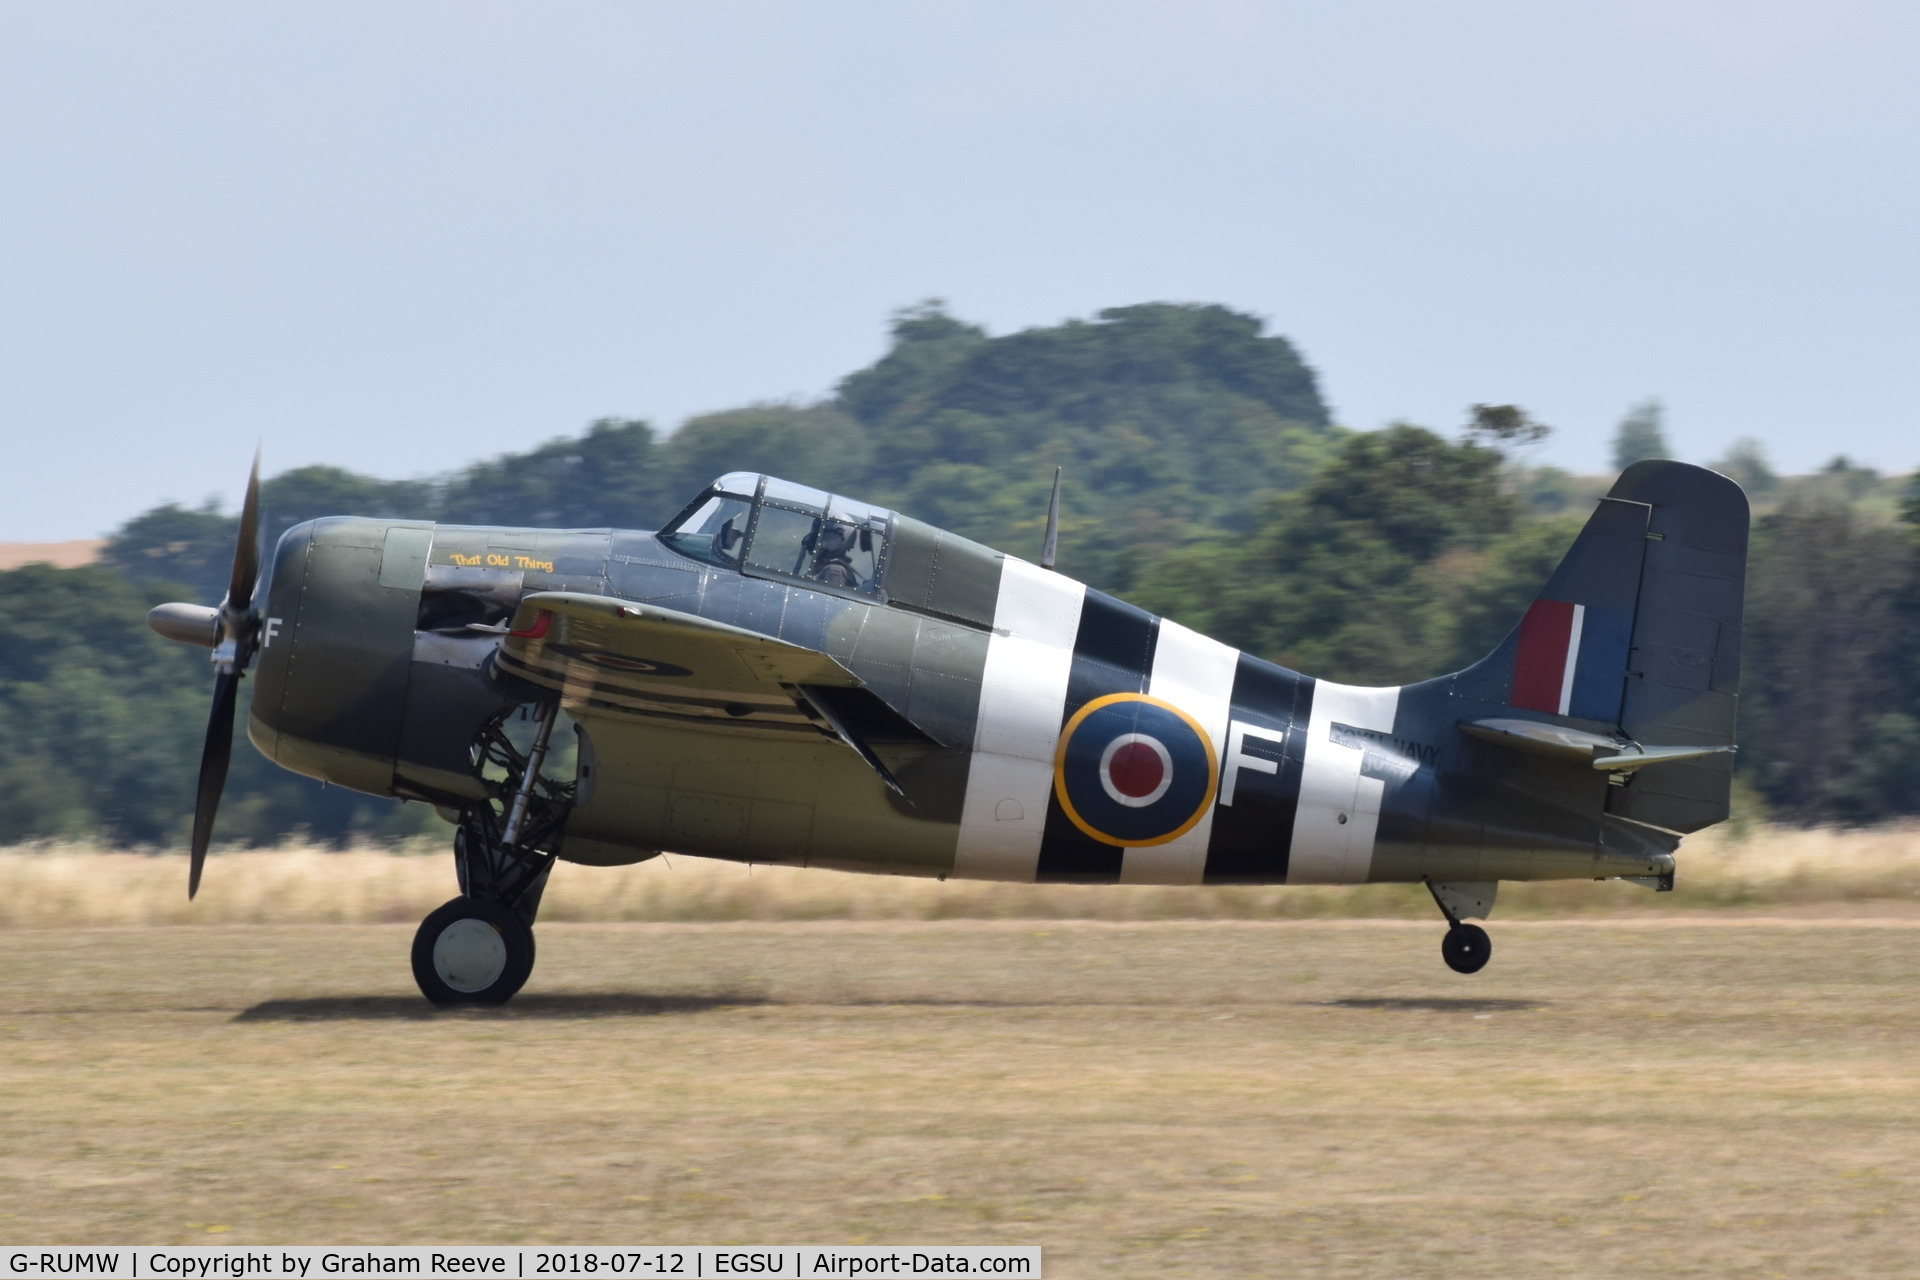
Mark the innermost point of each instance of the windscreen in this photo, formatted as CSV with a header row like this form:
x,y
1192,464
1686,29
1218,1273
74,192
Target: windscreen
x,y
714,530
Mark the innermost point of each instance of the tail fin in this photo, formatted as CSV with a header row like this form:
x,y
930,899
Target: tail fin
x,y
1637,635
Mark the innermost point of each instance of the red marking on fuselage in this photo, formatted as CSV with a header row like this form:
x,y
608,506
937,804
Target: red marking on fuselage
x,y
541,621
1541,659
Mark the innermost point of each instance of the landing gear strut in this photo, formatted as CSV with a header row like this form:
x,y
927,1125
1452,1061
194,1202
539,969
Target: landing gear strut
x,y
478,948
1466,948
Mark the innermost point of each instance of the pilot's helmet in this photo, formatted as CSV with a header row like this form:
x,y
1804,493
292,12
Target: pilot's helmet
x,y
836,538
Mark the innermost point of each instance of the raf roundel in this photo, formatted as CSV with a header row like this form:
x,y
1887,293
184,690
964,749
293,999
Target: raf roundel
x,y
1133,770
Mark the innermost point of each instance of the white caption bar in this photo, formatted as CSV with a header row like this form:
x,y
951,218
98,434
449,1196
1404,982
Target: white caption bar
x,y
599,1262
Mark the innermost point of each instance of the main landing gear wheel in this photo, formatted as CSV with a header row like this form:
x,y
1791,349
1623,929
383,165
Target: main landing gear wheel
x,y
1466,948
472,951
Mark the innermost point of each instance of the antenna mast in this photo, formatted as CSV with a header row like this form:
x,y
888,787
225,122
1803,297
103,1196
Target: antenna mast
x,y
1052,544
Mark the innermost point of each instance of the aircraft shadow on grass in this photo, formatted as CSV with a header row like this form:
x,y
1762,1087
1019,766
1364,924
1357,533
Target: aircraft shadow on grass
x,y
1433,1004
557,1006
565,1006
580,1005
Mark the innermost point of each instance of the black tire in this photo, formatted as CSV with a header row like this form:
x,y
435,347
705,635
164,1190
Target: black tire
x,y
472,951
1467,948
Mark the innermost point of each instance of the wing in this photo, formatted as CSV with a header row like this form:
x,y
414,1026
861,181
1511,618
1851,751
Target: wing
x,y
617,658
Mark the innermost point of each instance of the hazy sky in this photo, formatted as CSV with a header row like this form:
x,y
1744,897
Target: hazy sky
x,y
400,237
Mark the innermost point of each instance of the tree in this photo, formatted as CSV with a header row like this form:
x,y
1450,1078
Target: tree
x,y
174,544
1547,490
1824,641
1505,428
100,719
1345,578
1850,480
195,548
609,476
1641,435
308,493
928,344
817,445
1881,779
101,724
1745,462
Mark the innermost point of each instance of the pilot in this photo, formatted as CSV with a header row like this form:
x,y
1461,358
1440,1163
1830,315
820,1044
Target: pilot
x,y
833,542
726,543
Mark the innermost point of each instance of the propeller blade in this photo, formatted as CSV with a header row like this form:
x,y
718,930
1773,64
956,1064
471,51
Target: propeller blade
x,y
235,629
246,550
213,771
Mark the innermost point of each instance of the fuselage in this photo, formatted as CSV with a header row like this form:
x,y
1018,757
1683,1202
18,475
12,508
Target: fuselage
x,y
1039,729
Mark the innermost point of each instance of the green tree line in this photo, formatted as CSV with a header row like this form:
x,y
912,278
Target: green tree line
x,y
1205,481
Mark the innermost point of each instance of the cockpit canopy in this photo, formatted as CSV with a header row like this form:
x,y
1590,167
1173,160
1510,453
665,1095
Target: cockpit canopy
x,y
771,528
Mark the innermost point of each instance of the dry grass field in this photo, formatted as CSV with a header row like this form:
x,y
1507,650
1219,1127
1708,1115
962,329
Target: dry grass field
x,y
1697,1095
1720,1081
61,555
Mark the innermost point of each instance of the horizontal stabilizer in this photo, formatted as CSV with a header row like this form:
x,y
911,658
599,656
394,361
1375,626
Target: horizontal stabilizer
x,y
1560,742
1637,756
1544,738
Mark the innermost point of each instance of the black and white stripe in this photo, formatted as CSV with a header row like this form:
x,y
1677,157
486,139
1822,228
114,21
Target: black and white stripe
x,y
1260,769
1112,653
1292,805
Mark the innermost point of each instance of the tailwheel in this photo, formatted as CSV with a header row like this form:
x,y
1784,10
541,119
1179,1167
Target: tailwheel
x,y
1466,948
472,951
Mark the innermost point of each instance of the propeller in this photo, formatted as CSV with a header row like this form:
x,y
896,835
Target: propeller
x,y
233,632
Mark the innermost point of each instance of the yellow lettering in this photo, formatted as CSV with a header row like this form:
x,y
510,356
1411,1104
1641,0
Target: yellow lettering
x,y
499,560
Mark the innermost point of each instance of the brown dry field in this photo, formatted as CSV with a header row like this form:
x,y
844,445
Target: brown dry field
x,y
1730,1094
61,555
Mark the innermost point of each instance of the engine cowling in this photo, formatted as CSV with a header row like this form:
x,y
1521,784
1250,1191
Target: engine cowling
x,y
336,649
374,669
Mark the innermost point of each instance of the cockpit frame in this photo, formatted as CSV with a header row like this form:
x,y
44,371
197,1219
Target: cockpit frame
x,y
706,530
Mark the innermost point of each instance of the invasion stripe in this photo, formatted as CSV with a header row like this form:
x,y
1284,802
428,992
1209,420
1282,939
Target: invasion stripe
x,y
1113,652
1196,674
1339,811
1003,819
1251,839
